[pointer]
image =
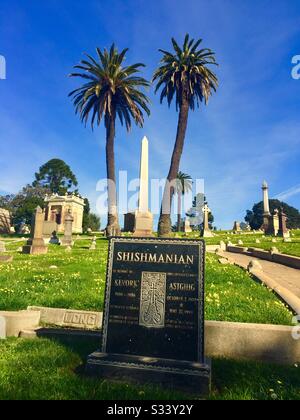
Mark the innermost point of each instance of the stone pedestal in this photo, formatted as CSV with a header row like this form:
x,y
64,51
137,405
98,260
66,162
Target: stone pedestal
x,y
190,377
143,224
67,239
187,226
207,234
35,246
283,230
273,224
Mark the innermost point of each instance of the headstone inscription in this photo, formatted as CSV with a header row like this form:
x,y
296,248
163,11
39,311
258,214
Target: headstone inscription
x,y
153,325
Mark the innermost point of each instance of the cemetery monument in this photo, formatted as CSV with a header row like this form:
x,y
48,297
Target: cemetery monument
x,y
153,325
36,244
143,217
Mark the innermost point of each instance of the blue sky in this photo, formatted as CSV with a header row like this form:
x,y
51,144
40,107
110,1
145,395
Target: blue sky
x,y
249,131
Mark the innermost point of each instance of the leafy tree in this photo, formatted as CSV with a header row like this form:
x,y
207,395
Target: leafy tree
x,y
183,184
6,202
23,204
111,91
93,222
23,213
55,175
185,75
255,216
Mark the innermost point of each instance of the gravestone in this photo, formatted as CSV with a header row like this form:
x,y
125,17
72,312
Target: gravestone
x,y
283,230
187,227
222,246
67,239
273,227
93,244
36,244
129,222
2,247
153,325
236,227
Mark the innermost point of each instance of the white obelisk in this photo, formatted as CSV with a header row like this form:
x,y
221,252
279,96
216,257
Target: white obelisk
x,y
143,217
266,214
265,189
144,177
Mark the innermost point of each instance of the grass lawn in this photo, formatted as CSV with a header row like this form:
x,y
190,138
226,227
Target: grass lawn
x,y
52,369
292,248
46,369
78,282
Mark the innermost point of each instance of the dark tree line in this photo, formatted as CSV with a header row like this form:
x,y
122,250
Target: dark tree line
x,y
255,216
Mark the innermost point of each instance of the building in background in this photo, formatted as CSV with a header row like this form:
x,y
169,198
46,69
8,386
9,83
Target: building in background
x,y
5,221
57,207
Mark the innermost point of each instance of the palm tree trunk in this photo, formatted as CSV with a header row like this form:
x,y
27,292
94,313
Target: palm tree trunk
x,y
112,227
164,224
179,212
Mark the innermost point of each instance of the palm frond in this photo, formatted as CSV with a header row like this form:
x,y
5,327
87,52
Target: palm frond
x,y
111,89
185,73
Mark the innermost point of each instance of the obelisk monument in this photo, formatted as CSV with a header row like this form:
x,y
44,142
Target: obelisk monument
x,y
143,217
266,213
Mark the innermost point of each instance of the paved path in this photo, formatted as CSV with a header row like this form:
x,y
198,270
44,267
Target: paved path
x,y
285,276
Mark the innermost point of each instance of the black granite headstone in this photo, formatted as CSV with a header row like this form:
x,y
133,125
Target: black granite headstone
x,y
153,324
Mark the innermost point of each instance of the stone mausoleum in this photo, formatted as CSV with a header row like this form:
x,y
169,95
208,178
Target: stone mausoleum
x,y
5,221
58,207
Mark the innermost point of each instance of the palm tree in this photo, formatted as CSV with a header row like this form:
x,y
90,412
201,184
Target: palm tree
x,y
185,74
110,91
183,184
